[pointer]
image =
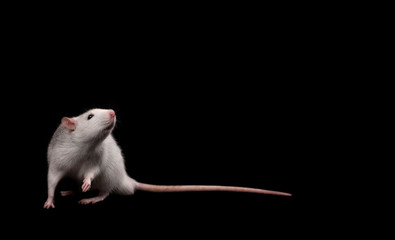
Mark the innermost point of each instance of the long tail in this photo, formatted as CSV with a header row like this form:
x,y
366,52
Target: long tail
x,y
189,188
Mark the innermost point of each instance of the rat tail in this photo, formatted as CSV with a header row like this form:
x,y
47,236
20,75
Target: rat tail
x,y
195,188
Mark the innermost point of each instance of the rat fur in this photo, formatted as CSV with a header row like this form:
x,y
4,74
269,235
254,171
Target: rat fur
x,y
84,149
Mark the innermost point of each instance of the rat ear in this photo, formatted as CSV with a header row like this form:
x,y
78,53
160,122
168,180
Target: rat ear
x,y
68,123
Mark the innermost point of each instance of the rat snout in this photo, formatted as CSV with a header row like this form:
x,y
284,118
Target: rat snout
x,y
110,123
112,113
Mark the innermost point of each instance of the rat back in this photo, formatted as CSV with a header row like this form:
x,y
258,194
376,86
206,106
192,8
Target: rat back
x,y
113,176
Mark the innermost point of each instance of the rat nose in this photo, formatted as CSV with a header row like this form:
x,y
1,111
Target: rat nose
x,y
112,113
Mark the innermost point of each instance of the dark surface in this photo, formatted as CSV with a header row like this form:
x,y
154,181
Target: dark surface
x,y
219,134
202,107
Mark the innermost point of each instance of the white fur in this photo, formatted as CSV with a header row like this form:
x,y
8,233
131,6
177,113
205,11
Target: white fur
x,y
88,152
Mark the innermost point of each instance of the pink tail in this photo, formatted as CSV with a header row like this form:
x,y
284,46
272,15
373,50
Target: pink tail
x,y
195,188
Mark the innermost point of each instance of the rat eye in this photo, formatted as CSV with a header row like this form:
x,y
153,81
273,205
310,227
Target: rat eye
x,y
90,116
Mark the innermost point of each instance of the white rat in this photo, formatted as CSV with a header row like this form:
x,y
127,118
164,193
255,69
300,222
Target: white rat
x,y
83,148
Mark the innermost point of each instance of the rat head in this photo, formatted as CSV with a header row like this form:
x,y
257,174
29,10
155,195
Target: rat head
x,y
91,126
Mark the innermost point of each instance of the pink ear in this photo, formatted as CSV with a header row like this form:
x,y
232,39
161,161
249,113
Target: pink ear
x,y
68,123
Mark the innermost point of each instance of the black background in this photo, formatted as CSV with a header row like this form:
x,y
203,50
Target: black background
x,y
212,99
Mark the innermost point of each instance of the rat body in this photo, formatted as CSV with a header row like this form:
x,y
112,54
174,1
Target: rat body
x,y
84,149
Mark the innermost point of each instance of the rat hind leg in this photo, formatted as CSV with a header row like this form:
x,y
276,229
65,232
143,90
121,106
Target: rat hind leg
x,y
67,193
98,198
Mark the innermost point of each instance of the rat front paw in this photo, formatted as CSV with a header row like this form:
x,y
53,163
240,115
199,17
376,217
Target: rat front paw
x,y
86,184
49,204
